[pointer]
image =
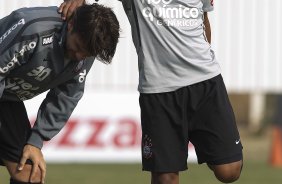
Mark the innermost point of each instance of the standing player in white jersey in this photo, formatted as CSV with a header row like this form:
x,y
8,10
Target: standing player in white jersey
x,y
182,93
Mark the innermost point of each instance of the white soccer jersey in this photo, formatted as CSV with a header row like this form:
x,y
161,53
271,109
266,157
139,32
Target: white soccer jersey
x,y
170,42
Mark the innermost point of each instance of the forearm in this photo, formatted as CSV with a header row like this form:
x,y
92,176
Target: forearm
x,y
207,27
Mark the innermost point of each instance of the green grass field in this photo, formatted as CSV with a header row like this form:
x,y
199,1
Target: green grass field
x,y
253,173
256,169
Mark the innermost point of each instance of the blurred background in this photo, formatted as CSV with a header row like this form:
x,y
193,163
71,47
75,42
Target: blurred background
x,y
101,141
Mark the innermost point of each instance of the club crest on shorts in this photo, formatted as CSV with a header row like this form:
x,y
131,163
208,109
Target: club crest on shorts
x,y
147,147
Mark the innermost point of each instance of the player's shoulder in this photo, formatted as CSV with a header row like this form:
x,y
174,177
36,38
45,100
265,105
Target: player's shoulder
x,y
36,12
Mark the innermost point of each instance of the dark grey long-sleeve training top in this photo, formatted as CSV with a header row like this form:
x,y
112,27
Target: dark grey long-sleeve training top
x,y
32,62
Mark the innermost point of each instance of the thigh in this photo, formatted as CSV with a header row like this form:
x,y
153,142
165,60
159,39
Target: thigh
x,y
164,132
213,129
14,131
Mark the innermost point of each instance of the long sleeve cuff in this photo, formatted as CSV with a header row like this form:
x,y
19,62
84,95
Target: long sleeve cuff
x,y
35,140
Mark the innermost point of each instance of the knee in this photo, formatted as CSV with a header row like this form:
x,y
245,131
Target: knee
x,y
228,177
228,173
12,181
165,178
24,175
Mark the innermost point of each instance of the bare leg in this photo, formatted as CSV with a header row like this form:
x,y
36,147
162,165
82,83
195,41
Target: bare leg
x,y
227,173
164,178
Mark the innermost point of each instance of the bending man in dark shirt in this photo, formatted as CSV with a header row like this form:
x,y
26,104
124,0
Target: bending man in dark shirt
x,y
40,52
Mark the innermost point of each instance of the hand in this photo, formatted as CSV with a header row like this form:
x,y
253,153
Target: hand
x,y
35,155
68,7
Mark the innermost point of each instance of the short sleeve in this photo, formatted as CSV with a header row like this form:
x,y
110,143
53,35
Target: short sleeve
x,y
207,5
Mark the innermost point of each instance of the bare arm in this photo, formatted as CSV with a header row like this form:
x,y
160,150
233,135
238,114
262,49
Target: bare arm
x,y
68,7
207,27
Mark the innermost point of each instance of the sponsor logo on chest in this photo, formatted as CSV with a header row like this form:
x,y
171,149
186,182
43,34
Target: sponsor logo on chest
x,y
9,31
46,40
15,60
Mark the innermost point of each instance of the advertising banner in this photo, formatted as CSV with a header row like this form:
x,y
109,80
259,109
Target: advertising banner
x,y
105,127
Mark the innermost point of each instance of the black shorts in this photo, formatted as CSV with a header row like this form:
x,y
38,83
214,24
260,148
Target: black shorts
x,y
200,113
15,129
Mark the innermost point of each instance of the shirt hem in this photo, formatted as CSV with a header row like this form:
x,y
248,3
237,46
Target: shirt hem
x,y
177,86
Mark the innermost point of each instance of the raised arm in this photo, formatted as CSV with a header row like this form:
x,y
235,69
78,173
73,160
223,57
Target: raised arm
x,y
207,7
68,7
207,27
